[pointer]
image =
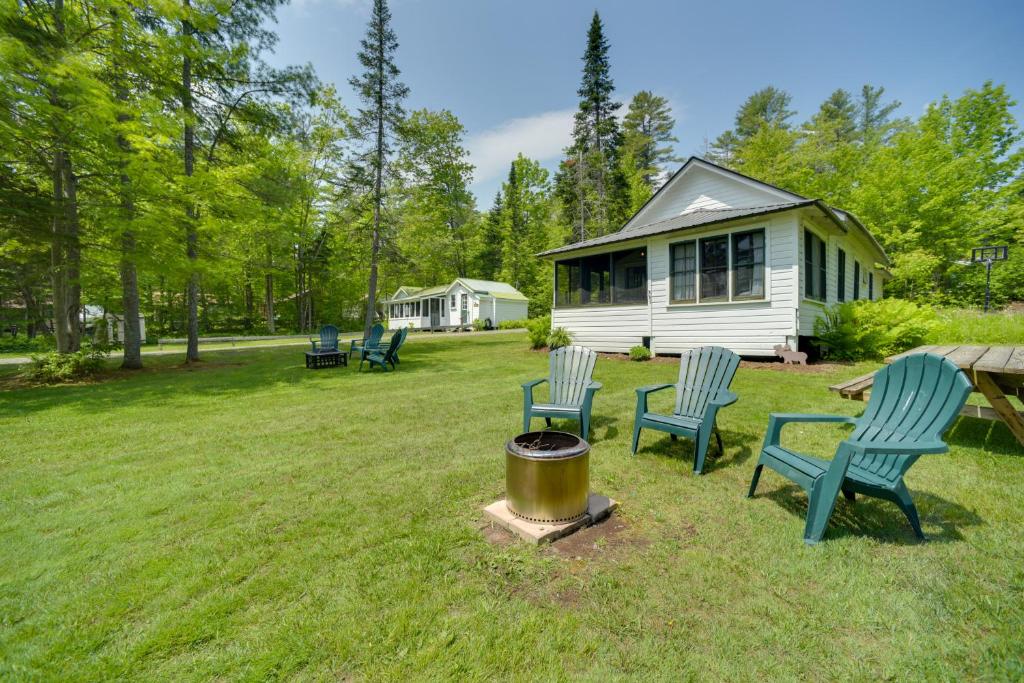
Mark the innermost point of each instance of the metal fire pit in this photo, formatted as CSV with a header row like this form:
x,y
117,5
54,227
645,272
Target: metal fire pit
x,y
547,477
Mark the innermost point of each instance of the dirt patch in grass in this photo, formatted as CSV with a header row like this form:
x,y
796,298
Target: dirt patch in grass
x,y
818,368
606,537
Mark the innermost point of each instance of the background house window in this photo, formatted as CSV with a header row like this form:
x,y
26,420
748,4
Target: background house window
x,y
856,280
684,272
841,276
453,302
871,285
748,265
615,278
815,269
714,268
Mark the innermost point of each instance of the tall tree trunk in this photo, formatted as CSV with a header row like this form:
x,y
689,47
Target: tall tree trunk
x,y
132,358
269,292
130,304
371,295
247,296
65,252
191,236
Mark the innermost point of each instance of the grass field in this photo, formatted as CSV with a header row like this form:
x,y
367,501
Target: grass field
x,y
251,519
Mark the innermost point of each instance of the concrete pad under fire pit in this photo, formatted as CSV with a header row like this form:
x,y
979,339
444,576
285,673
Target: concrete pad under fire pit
x,y
598,507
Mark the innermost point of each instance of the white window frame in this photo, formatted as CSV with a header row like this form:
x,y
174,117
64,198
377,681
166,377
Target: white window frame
x,y
730,301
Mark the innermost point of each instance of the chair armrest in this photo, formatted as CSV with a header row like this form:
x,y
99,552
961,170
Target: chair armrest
x,y
533,383
898,448
724,398
594,386
651,388
777,420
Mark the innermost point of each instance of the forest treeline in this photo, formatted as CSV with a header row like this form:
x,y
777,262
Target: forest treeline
x,y
153,161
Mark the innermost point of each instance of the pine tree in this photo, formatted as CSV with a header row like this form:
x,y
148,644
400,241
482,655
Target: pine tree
x,y
768,107
838,114
492,239
647,134
382,93
874,124
590,186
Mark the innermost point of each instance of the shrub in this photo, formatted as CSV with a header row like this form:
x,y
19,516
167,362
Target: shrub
x,y
55,367
22,344
479,325
558,338
859,330
513,324
539,329
639,353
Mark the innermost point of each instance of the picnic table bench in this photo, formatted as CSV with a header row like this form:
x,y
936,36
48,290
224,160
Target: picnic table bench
x,y
995,371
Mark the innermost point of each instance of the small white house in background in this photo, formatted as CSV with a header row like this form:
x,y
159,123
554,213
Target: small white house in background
x,y
113,322
714,257
457,305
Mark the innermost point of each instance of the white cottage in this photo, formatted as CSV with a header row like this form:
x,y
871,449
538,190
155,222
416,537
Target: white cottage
x,y
714,257
456,305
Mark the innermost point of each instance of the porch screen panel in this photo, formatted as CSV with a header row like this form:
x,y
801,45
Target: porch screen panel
x,y
714,268
748,265
684,272
567,283
596,280
629,277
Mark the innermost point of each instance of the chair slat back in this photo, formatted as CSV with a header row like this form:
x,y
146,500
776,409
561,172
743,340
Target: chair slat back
x,y
376,332
913,400
328,338
571,370
396,342
702,373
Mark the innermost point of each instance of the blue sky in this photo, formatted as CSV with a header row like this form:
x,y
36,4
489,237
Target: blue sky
x,y
509,70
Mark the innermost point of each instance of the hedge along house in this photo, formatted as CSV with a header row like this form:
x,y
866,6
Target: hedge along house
x,y
714,257
457,305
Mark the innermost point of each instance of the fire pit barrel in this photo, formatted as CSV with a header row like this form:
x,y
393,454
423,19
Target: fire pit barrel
x,y
547,476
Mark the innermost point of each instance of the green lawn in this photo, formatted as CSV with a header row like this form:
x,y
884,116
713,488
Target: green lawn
x,y
251,519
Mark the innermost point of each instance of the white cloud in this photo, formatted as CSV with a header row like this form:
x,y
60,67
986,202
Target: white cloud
x,y
541,137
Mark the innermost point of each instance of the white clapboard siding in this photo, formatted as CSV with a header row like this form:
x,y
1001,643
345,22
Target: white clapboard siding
x,y
749,328
604,328
701,188
857,249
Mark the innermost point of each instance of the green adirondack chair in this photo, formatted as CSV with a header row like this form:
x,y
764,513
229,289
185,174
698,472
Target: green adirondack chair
x,y
328,340
703,387
383,357
383,346
913,402
361,346
570,389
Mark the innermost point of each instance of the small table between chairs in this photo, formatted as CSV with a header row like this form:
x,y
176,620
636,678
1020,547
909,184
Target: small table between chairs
x,y
326,359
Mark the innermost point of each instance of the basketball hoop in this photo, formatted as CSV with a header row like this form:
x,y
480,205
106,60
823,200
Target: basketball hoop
x,y
989,255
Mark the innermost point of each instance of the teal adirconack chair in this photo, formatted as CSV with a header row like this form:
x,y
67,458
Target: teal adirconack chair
x,y
328,340
385,354
703,387
571,389
913,402
371,343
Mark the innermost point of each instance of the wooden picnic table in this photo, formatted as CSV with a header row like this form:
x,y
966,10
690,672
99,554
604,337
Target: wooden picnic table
x,y
996,372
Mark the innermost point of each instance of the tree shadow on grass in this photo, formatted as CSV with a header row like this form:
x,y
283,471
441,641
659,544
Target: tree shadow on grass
x,y
597,422
237,374
882,520
991,436
684,449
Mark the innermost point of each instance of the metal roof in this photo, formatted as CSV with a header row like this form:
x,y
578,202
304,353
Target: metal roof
x,y
693,219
